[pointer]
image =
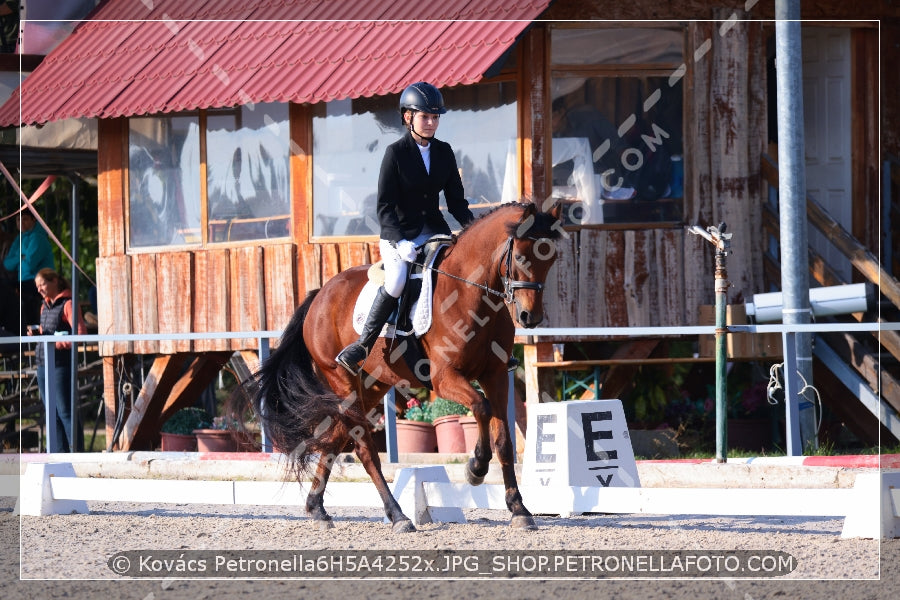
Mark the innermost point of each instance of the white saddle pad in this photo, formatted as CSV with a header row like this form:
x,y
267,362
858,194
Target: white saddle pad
x,y
420,312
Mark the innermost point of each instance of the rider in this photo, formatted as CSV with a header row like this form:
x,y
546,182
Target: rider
x,y
415,169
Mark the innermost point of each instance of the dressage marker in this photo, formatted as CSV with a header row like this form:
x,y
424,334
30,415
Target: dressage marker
x,y
575,444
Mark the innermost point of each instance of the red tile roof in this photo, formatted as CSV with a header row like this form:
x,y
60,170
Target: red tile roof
x,y
128,59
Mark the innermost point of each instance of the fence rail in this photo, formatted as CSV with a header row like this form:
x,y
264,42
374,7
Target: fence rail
x,y
530,335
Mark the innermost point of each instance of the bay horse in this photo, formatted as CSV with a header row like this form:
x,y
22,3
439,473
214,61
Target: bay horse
x,y
311,407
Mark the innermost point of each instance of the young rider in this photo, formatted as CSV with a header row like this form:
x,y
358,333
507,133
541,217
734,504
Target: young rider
x,y
415,169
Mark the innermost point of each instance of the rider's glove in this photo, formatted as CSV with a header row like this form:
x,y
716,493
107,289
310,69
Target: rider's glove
x,y
406,250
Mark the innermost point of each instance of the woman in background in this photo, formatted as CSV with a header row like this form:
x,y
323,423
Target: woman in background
x,y
57,312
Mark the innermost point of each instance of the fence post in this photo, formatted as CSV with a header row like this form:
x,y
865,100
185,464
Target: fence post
x,y
49,393
263,356
390,426
793,437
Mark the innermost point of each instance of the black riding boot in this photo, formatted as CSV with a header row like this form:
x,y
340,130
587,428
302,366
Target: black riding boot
x,y
355,353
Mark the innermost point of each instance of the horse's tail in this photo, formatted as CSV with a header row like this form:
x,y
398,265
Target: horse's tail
x,y
301,416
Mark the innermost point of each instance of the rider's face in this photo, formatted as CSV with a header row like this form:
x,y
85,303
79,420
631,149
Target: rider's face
x,y
425,124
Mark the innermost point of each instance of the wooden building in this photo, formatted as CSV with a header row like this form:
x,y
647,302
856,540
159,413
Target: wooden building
x,y
237,156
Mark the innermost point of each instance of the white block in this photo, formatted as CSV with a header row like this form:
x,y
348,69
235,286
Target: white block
x,y
36,497
578,443
410,494
875,511
891,507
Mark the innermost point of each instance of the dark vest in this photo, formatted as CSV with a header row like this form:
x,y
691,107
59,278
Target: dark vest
x,y
53,320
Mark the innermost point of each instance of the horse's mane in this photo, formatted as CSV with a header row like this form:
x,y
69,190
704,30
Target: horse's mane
x,y
543,225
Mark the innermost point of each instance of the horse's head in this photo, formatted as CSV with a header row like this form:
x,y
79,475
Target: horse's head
x,y
530,252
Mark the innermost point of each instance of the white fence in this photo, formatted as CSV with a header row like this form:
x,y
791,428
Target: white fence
x,y
871,508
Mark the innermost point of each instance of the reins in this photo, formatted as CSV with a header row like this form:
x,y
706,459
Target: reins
x,y
509,285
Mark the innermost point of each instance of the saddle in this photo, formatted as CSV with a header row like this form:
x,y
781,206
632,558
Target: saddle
x,y
413,314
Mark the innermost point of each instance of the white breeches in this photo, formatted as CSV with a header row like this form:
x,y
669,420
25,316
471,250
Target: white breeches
x,y
395,268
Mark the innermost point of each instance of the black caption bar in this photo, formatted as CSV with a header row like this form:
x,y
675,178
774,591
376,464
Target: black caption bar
x,y
537,564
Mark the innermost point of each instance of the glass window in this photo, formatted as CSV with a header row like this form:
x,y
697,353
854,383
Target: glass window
x,y
247,173
164,182
350,137
247,177
617,124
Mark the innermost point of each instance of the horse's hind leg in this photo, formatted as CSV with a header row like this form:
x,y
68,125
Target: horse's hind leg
x,y
314,500
365,445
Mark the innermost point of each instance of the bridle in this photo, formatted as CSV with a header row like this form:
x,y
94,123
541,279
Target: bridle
x,y
511,285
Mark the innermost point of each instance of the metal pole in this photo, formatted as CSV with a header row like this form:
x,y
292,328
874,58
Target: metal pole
x,y
265,443
721,354
511,413
722,242
390,426
73,359
50,399
792,210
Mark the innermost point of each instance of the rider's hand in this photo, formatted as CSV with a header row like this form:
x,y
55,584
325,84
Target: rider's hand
x,y
406,250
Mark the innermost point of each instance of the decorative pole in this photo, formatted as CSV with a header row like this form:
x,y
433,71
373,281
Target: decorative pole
x,y
722,242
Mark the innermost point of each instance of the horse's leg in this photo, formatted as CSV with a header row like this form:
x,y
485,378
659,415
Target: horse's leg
x,y
365,445
480,461
496,386
314,506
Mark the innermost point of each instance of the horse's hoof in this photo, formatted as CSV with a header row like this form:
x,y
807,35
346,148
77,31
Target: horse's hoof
x,y
324,525
472,478
404,526
525,522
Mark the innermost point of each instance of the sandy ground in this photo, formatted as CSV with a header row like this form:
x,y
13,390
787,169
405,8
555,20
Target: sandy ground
x,y
66,556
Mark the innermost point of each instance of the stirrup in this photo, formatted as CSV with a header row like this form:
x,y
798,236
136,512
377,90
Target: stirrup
x,y
344,358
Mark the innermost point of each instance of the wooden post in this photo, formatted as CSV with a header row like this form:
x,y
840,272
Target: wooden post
x,y
538,381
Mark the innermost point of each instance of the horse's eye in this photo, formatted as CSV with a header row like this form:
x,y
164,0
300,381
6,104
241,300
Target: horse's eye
x,y
520,259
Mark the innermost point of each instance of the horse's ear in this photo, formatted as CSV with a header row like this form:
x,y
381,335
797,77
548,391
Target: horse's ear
x,y
556,210
530,209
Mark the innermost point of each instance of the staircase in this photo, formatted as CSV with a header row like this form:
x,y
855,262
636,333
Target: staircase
x,y
864,365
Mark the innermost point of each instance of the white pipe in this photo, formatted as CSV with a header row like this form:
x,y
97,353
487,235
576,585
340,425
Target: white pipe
x,y
824,301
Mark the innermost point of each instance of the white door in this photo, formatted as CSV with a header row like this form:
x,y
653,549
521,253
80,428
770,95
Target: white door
x,y
826,112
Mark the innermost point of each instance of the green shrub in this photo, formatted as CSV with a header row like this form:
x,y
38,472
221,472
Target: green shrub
x,y
186,420
441,407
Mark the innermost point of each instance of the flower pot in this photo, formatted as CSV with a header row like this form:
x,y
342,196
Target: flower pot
x,y
415,436
449,433
216,440
178,442
470,431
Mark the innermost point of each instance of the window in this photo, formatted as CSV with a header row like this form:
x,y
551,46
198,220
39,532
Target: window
x,y
350,137
247,166
247,177
164,182
617,123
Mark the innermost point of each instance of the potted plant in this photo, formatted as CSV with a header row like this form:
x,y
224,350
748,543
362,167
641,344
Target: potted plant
x,y
177,433
224,434
445,416
470,430
415,432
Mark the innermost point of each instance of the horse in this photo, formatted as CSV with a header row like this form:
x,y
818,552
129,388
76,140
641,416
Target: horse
x,y
312,408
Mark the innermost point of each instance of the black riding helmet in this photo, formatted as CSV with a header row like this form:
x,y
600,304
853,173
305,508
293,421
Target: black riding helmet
x,y
423,97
